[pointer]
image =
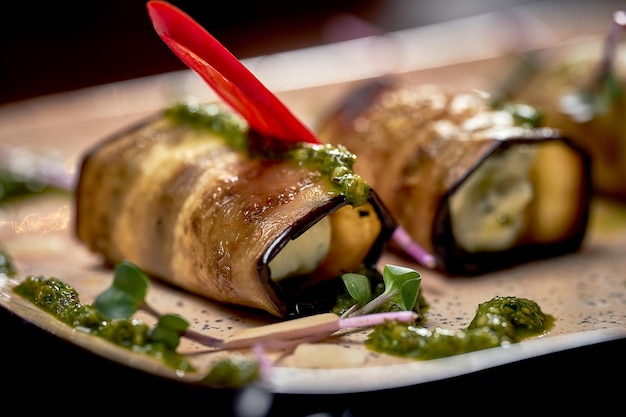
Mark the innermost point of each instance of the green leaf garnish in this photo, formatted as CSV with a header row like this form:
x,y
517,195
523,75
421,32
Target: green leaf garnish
x,y
126,294
169,329
410,292
358,287
401,286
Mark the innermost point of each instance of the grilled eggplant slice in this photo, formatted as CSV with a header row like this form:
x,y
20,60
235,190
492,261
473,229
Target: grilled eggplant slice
x,y
182,197
472,185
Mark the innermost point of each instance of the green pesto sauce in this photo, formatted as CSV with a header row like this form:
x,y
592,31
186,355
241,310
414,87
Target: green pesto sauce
x,y
212,118
500,321
62,301
335,163
235,371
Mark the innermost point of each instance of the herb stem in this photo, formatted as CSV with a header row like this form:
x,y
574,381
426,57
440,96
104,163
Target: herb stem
x,y
203,339
369,320
373,305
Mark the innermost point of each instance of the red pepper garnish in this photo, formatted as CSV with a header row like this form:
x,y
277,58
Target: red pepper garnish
x,y
230,79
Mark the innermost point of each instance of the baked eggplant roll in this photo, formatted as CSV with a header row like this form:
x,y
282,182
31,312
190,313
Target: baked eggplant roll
x,y
187,199
581,90
474,186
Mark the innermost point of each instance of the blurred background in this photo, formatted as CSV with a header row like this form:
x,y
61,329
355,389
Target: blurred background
x,y
54,46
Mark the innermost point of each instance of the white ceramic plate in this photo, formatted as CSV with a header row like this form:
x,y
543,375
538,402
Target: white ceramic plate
x,y
585,291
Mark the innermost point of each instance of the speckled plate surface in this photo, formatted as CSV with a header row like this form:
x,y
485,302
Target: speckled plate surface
x,y
584,291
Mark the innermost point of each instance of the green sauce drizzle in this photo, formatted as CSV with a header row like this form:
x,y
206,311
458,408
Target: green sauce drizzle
x,y
62,301
235,371
334,163
212,118
498,322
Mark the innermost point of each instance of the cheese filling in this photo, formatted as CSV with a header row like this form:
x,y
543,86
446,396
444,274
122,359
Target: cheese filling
x,y
489,210
303,255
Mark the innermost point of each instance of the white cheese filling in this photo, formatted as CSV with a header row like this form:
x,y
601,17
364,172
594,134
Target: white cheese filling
x,y
304,254
489,210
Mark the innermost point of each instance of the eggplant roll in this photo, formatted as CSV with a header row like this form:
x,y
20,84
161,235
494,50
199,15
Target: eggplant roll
x,y
585,97
474,186
181,197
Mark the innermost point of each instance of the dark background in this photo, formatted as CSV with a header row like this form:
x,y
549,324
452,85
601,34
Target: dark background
x,y
53,46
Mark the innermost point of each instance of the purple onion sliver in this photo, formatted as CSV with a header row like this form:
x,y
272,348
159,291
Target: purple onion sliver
x,y
418,253
265,364
369,320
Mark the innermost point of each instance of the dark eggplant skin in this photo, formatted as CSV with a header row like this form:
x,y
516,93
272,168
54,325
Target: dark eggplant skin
x,y
454,260
190,210
321,297
416,169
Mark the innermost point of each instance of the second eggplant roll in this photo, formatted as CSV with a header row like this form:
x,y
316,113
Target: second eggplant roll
x,y
186,198
478,187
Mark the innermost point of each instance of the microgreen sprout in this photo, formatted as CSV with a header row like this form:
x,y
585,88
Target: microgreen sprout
x,y
127,294
402,287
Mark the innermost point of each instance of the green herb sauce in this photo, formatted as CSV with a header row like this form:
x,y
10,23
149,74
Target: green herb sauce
x,y
235,371
212,118
62,301
500,321
335,163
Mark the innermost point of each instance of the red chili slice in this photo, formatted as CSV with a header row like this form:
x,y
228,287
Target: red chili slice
x,y
230,79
